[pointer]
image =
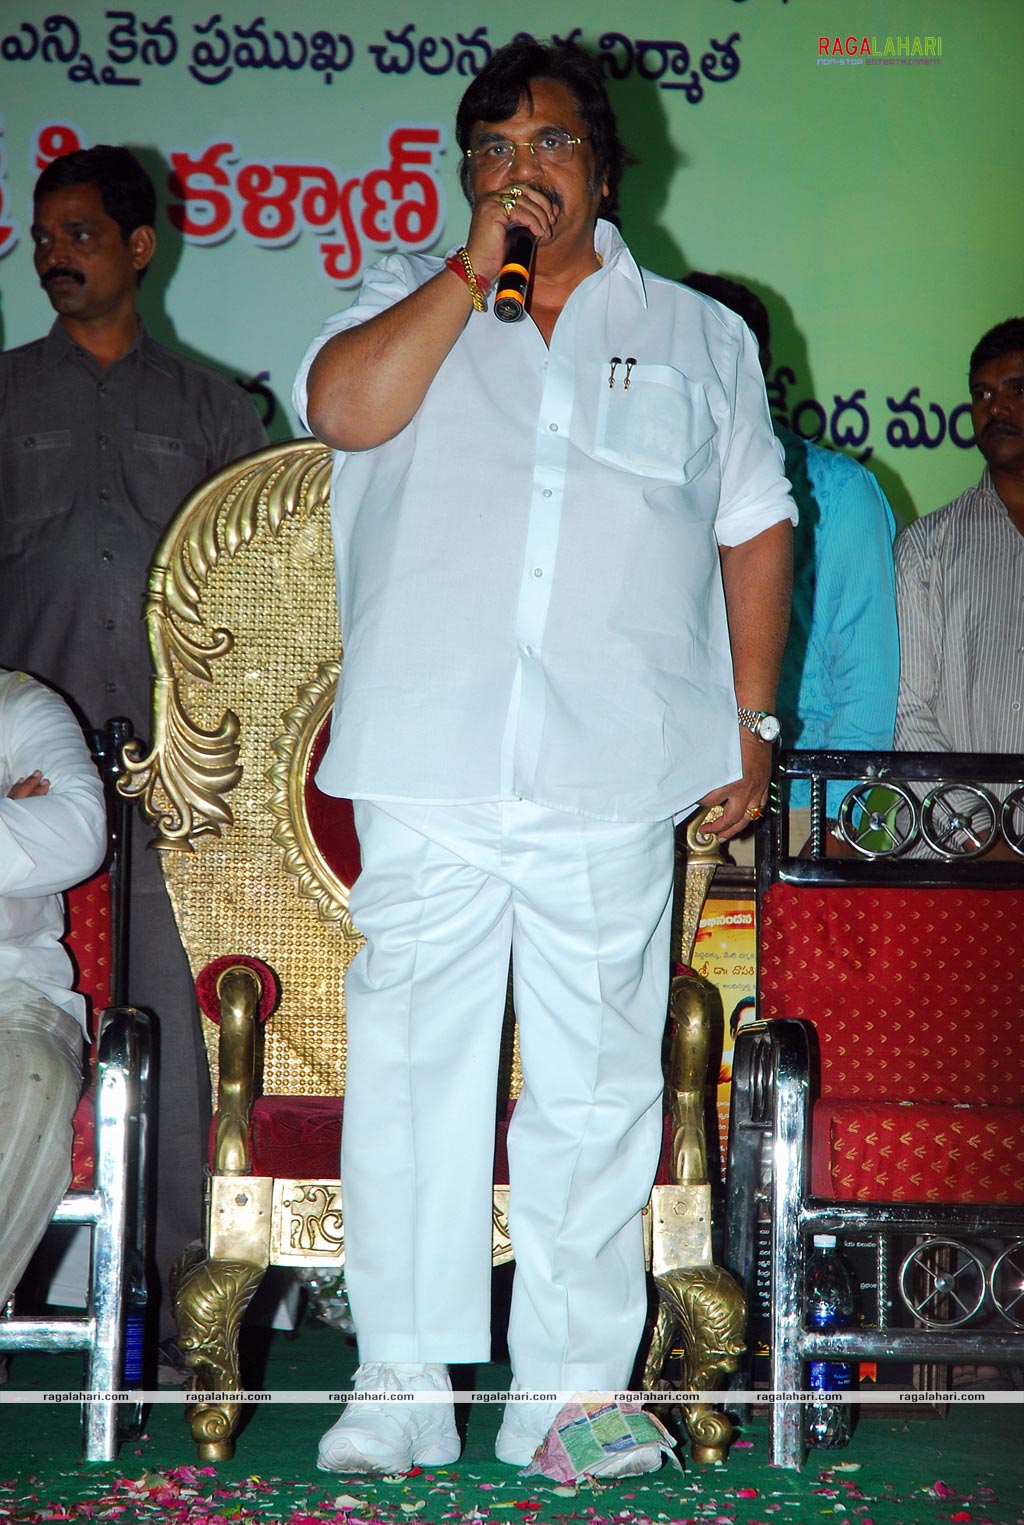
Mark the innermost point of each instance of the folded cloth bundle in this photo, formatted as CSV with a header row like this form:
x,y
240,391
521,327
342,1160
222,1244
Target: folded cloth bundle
x,y
601,1440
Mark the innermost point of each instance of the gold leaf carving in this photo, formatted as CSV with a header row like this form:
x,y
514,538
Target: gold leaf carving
x,y
183,782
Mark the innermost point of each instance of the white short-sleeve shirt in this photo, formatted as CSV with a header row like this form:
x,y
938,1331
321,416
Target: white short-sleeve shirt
x,y
528,574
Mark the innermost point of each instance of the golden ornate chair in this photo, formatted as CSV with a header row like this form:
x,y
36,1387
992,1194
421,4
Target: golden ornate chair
x,y
244,636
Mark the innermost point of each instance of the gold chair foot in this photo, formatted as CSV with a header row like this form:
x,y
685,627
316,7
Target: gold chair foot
x,y
711,1434
213,1427
212,1450
210,1299
703,1308
216,1451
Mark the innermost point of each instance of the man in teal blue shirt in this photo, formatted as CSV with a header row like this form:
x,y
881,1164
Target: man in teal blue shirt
x,y
840,671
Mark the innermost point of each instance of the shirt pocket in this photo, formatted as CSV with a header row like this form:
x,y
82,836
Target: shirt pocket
x,y
37,477
661,427
161,470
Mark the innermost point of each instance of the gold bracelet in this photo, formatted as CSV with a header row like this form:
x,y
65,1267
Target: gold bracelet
x,y
479,300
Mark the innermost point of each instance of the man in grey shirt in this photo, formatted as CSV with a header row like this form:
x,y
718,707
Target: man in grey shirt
x,y
960,581
103,432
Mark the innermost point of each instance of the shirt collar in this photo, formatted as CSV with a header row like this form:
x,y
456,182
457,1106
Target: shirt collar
x,y
988,488
611,246
59,346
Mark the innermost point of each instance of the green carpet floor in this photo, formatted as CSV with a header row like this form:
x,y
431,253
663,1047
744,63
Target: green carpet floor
x,y
967,1467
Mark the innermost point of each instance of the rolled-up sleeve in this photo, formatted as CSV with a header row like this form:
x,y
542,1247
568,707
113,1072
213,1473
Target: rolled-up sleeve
x,y
755,492
385,284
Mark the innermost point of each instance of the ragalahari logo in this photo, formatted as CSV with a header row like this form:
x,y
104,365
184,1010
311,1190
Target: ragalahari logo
x,y
879,50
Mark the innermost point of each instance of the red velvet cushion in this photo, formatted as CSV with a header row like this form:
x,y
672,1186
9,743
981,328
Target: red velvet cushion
x,y
301,1136
88,941
884,1152
915,994
206,985
331,822
917,999
83,1154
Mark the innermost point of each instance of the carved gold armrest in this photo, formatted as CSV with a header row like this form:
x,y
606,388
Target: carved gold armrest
x,y
239,991
700,1308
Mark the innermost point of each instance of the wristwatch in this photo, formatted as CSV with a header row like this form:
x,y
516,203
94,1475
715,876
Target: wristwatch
x,y
764,726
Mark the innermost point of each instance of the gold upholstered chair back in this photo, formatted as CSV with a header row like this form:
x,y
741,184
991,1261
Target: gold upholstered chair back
x,y
244,635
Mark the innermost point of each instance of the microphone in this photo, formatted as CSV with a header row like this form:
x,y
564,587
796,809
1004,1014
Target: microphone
x,y
515,275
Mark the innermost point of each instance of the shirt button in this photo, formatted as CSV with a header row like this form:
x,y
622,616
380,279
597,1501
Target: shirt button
x,y
553,428
102,389
528,650
547,494
104,495
108,624
1015,705
104,442
538,571
108,555
111,688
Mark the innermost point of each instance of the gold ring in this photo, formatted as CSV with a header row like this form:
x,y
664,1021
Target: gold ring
x,y
509,203
753,812
515,191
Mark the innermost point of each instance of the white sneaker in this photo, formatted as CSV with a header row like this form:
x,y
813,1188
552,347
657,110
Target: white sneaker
x,y
523,1428
392,1437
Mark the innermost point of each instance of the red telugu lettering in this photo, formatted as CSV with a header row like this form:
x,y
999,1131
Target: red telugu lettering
x,y
413,198
271,211
52,141
205,214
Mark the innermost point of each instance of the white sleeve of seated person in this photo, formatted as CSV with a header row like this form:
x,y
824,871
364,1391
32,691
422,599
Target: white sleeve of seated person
x,y
51,841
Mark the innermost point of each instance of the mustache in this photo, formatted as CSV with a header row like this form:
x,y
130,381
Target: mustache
x,y
999,426
554,196
62,272
550,194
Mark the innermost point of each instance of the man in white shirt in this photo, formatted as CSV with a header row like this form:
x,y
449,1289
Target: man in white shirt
x,y
534,524
52,835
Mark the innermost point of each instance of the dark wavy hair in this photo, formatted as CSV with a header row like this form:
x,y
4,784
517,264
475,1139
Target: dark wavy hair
x,y
1005,339
126,191
504,82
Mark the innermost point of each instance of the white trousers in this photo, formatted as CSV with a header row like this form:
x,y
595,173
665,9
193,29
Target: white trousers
x,y
40,1083
585,906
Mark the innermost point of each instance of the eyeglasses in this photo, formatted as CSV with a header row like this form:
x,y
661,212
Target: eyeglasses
x,y
549,147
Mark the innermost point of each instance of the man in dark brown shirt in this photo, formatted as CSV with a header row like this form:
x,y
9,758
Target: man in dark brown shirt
x,y
103,432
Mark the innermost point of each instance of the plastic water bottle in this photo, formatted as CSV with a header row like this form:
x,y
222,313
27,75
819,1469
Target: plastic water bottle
x,y
829,1296
135,1301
